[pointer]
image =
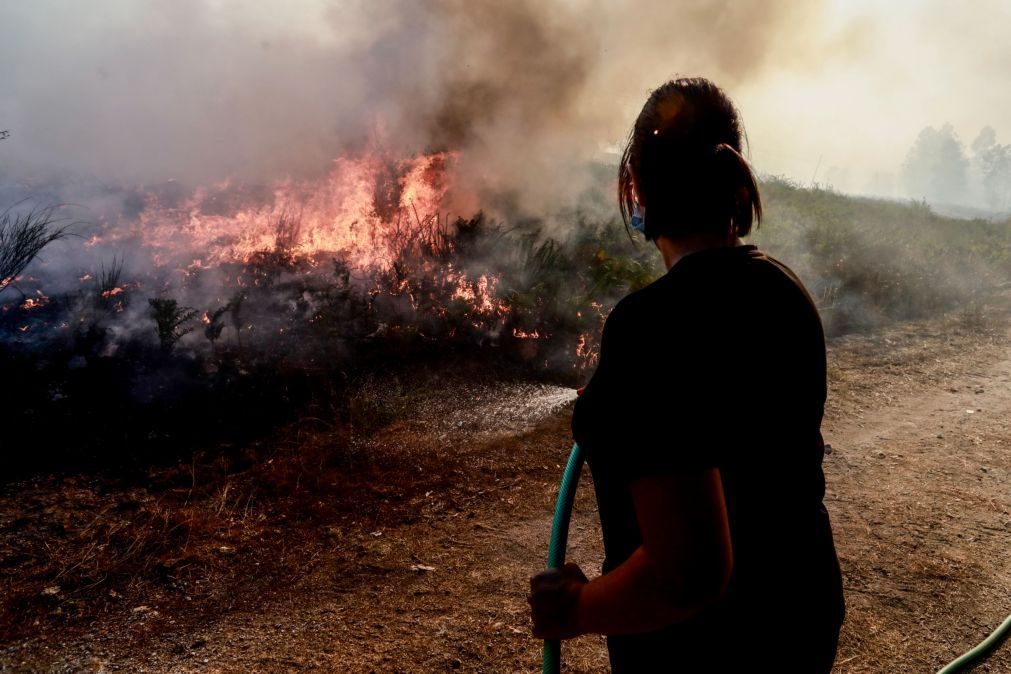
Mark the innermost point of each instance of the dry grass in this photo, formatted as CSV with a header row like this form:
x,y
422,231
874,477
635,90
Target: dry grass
x,y
76,547
239,528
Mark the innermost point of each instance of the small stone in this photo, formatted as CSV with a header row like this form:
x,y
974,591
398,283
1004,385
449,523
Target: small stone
x,y
881,455
828,449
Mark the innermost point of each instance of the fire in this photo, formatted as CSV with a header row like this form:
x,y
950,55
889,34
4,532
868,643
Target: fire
x,y
371,239
35,303
480,295
587,353
380,218
366,207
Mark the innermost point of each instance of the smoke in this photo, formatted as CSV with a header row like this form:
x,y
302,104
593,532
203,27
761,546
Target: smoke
x,y
140,92
888,71
143,92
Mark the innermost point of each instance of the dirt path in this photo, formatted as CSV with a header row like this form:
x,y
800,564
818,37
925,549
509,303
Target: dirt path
x,y
918,492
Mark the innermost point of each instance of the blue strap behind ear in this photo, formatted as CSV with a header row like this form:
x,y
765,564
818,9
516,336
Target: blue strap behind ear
x,y
638,220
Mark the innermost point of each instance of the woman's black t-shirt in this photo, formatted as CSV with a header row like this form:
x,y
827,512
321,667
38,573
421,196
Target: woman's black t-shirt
x,y
721,362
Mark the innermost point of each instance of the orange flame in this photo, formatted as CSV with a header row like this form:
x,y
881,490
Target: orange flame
x,y
35,303
364,208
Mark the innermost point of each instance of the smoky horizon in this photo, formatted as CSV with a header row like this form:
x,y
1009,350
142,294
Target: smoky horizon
x,y
529,95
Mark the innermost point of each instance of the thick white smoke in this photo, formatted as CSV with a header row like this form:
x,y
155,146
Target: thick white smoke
x,y
143,91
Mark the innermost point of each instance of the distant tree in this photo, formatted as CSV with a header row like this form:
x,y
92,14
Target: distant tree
x,y
992,162
996,167
935,167
986,139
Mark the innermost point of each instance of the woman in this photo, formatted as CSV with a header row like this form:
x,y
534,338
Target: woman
x,y
701,427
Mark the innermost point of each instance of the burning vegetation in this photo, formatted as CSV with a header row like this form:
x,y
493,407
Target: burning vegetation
x,y
211,315
204,307
318,269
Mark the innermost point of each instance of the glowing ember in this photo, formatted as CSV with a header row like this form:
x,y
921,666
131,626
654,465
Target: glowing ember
x,y
587,353
34,303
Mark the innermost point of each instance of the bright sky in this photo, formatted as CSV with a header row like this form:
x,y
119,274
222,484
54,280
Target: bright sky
x,y
910,64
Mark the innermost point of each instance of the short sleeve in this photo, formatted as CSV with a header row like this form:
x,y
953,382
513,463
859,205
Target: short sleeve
x,y
649,406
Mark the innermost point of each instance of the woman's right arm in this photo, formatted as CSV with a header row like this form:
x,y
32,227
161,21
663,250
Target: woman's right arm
x,y
682,566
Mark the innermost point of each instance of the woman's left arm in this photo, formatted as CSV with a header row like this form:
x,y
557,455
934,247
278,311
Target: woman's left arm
x,y
682,566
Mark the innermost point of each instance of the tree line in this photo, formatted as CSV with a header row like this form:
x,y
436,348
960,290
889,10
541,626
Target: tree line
x,y
939,168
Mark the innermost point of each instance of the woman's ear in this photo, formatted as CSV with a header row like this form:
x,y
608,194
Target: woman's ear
x,y
635,192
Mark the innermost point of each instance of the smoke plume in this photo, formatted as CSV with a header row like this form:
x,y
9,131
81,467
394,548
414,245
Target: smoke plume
x,y
140,93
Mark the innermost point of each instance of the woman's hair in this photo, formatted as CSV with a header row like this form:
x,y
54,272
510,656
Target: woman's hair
x,y
685,154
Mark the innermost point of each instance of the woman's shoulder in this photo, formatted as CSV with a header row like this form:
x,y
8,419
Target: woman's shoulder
x,y
637,306
781,276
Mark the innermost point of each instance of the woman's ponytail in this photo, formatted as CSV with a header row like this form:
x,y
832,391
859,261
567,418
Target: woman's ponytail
x,y
738,188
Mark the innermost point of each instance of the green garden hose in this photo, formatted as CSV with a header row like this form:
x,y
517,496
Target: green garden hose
x,y
981,650
559,538
556,558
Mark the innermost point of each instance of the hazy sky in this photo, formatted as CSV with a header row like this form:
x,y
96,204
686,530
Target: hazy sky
x,y
902,65
142,91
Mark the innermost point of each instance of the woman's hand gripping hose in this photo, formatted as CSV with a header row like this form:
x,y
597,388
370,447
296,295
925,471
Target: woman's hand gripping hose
x,y
554,593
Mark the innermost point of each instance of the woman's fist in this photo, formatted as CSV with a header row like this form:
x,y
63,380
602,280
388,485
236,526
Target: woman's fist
x,y
553,598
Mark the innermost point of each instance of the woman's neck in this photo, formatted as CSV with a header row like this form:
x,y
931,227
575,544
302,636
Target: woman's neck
x,y
673,250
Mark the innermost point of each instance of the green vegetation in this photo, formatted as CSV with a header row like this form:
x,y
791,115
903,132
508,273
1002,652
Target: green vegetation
x,y
870,261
